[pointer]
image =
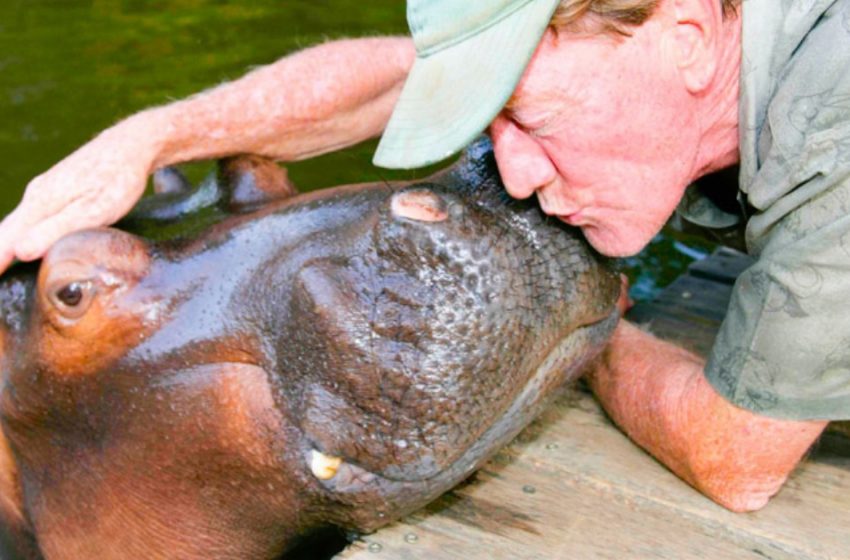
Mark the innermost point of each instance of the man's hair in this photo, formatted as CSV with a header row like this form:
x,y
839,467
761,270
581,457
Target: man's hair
x,y
611,15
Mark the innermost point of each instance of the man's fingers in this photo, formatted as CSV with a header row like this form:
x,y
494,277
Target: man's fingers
x,y
42,218
34,208
6,258
9,234
41,200
39,237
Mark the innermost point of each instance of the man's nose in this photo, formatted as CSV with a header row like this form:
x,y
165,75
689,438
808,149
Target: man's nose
x,y
523,164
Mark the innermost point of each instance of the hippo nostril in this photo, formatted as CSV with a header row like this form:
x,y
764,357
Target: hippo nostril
x,y
419,205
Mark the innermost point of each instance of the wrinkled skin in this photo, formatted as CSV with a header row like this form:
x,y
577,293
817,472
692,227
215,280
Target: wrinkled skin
x,y
167,399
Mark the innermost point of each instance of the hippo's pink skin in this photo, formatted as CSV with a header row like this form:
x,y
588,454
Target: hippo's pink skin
x,y
171,399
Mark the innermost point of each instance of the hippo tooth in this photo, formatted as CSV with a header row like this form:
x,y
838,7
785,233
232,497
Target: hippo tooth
x,y
324,467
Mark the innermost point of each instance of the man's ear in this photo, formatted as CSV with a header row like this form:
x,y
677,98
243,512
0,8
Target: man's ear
x,y
698,29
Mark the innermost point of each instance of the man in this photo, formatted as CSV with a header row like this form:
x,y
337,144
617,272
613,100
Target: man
x,y
606,115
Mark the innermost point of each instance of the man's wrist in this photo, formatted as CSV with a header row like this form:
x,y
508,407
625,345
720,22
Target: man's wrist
x,y
151,134
641,382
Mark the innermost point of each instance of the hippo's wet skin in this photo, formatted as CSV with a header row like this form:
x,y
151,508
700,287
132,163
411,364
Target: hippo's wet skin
x,y
333,358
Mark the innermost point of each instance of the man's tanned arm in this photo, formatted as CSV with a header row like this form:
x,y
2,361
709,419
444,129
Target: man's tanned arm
x,y
315,101
657,393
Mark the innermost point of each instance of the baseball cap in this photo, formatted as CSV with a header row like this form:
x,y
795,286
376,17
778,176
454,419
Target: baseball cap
x,y
470,55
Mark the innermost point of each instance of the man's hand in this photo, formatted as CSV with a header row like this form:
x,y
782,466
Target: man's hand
x,y
314,101
94,186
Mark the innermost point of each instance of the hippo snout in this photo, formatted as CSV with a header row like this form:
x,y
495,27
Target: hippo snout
x,y
444,311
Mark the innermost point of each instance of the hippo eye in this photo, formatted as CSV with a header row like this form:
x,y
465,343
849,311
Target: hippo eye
x,y
73,299
71,295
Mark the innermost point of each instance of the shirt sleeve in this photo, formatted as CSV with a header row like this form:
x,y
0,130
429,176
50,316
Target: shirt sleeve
x,y
784,347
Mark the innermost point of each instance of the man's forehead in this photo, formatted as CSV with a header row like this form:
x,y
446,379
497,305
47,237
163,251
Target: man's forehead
x,y
563,69
539,96
544,77
530,91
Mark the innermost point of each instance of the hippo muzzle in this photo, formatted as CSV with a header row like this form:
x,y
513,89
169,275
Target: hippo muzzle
x,y
291,362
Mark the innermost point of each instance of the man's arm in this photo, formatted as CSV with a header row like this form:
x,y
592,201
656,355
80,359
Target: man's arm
x,y
314,101
657,393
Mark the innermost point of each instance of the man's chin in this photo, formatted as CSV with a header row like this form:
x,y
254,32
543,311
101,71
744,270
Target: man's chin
x,y
610,244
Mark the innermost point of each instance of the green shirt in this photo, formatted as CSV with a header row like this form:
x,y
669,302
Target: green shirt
x,y
784,348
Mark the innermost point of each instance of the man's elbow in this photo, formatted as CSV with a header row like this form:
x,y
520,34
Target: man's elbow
x,y
734,457
740,496
743,474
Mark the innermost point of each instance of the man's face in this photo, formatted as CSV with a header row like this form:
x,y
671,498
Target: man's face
x,y
602,130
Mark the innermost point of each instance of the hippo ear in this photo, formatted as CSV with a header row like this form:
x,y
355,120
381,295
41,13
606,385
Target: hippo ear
x,y
169,180
250,181
174,198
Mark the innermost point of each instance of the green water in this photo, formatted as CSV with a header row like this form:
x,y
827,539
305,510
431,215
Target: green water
x,y
69,68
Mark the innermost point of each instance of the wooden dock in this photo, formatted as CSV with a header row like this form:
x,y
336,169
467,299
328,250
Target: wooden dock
x,y
573,487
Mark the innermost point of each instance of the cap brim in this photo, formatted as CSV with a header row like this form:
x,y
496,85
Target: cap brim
x,y
452,95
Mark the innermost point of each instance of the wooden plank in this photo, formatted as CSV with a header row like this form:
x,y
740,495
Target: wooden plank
x,y
694,296
723,266
689,311
805,520
470,526
597,496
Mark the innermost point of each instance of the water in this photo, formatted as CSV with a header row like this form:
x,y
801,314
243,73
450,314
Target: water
x,y
69,68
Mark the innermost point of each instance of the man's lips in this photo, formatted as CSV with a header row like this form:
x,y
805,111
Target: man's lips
x,y
573,219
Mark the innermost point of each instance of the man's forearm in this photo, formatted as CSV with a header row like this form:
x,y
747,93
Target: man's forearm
x,y
311,102
315,101
657,394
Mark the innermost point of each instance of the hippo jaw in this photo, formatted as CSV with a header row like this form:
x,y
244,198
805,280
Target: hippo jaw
x,y
374,499
133,496
397,368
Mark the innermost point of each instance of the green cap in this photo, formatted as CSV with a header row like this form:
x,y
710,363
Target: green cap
x,y
470,55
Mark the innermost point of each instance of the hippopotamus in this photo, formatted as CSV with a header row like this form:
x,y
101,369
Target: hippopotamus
x,y
286,362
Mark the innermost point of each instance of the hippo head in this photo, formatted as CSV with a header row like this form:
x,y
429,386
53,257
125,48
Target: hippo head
x,y
337,358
